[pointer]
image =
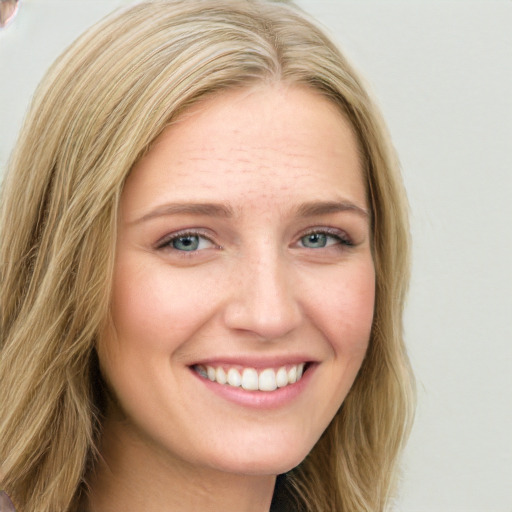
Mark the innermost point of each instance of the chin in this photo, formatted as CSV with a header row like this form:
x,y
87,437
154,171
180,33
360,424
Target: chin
x,y
273,460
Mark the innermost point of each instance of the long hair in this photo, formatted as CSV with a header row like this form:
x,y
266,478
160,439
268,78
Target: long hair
x,y
95,114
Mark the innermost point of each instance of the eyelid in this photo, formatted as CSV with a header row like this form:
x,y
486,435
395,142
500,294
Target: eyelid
x,y
164,242
340,234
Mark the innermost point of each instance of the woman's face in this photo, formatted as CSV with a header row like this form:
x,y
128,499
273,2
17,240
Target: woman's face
x,y
243,259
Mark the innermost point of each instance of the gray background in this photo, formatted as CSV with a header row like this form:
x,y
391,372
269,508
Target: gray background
x,y
442,73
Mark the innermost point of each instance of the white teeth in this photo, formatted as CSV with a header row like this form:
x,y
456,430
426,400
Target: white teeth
x,y
250,379
220,375
282,377
234,378
268,379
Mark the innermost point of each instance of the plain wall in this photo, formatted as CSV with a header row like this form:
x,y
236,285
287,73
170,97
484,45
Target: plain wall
x,y
442,73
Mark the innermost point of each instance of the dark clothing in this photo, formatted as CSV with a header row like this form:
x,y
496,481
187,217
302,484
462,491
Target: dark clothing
x,y
283,501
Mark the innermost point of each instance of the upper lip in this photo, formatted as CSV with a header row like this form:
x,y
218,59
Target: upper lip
x,y
256,362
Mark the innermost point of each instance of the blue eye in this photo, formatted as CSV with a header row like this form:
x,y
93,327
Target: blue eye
x,y
322,239
314,240
186,243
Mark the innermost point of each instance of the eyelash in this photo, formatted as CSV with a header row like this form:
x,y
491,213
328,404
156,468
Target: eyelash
x,y
340,236
166,243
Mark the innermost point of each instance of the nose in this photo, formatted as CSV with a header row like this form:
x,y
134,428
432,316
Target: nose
x,y
263,299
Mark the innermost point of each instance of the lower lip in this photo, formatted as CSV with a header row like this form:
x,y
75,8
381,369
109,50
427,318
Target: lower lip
x,y
259,399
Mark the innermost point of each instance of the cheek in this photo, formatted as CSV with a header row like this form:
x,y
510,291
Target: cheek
x,y
155,307
154,312
345,309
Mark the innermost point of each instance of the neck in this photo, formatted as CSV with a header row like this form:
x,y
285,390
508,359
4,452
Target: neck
x,y
131,476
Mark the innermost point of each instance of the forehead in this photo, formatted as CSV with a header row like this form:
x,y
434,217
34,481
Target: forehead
x,y
269,143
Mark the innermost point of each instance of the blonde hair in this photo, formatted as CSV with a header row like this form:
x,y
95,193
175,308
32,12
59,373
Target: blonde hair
x,y
96,112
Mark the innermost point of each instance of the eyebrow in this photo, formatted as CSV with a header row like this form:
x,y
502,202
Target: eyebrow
x,y
308,209
206,209
314,208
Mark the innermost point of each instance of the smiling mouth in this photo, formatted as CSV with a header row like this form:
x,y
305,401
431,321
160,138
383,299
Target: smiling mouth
x,y
250,379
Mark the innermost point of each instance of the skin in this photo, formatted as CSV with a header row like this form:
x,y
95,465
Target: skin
x,y
255,288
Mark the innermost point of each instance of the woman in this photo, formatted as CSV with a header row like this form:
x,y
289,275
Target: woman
x,y
204,262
